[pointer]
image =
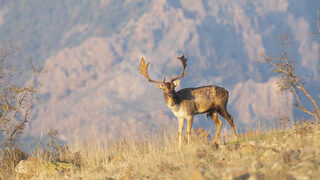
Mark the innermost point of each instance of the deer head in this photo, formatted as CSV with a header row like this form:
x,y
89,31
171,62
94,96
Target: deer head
x,y
167,87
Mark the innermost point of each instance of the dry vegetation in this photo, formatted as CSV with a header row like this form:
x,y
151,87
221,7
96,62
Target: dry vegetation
x,y
15,105
279,154
283,66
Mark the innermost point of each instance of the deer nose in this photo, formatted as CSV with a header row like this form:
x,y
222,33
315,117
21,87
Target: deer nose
x,y
170,95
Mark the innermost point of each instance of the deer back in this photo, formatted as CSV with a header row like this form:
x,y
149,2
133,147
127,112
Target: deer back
x,y
202,99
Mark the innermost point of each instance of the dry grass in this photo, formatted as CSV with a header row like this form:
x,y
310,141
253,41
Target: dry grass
x,y
290,154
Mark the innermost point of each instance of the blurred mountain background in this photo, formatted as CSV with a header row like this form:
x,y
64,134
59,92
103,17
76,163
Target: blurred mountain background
x,y
90,52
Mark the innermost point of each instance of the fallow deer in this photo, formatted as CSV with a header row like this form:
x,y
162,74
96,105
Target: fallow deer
x,y
191,101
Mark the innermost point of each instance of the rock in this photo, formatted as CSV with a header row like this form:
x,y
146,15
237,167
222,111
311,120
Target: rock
x,y
30,167
34,166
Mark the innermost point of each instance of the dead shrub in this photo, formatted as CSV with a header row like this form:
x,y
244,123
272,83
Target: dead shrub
x,y
16,97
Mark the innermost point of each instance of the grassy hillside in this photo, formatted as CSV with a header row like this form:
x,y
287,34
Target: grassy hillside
x,y
277,154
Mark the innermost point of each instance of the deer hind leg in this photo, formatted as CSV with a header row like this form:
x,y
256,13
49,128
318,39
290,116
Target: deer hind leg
x,y
214,116
224,113
189,126
180,129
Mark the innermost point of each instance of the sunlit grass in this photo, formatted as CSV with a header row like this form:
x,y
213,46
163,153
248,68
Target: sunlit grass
x,y
277,153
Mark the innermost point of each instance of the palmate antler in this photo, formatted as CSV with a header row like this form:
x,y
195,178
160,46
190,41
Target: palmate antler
x,y
183,61
144,71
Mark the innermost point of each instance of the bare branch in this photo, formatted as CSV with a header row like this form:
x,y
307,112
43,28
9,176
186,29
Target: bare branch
x,y
307,94
300,106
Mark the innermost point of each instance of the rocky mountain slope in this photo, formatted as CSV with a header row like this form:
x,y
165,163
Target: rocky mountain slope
x,y
91,50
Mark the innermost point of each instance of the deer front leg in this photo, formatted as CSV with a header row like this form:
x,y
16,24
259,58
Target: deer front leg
x,y
189,126
180,129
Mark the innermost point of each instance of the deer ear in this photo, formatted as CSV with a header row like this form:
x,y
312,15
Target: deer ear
x,y
176,83
160,86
